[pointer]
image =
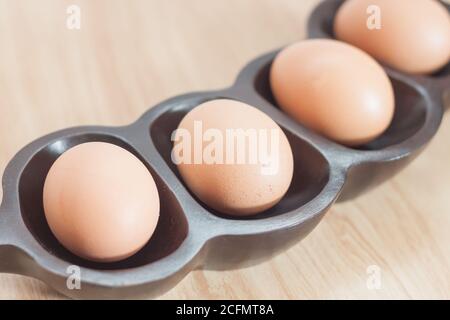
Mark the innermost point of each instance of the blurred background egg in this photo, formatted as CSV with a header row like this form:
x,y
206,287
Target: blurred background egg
x,y
232,188
101,202
333,88
413,35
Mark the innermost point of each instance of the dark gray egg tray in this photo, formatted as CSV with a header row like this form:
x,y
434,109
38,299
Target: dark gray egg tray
x,y
190,235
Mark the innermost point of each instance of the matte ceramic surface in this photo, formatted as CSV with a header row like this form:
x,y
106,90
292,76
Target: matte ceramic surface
x,y
190,235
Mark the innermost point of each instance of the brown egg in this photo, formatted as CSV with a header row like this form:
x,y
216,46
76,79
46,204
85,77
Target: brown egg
x,y
233,157
101,202
410,35
333,88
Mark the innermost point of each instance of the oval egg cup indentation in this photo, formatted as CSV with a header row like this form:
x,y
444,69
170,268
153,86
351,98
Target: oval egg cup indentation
x,y
417,118
190,235
28,247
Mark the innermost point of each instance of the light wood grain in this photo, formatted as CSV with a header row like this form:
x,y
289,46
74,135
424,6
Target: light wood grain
x,y
130,55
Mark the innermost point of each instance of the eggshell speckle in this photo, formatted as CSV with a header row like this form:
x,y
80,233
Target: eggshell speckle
x,y
236,189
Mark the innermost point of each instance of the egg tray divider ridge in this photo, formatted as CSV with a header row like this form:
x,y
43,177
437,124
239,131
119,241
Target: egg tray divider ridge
x,y
189,235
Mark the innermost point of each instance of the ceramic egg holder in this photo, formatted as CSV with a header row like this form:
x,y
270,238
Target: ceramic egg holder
x,y
190,235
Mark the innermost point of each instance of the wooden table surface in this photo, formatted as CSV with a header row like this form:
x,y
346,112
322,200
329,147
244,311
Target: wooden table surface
x,y
129,55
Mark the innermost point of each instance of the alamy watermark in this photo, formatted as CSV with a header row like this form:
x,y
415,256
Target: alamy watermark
x,y
73,20
373,277
374,19
230,146
73,281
